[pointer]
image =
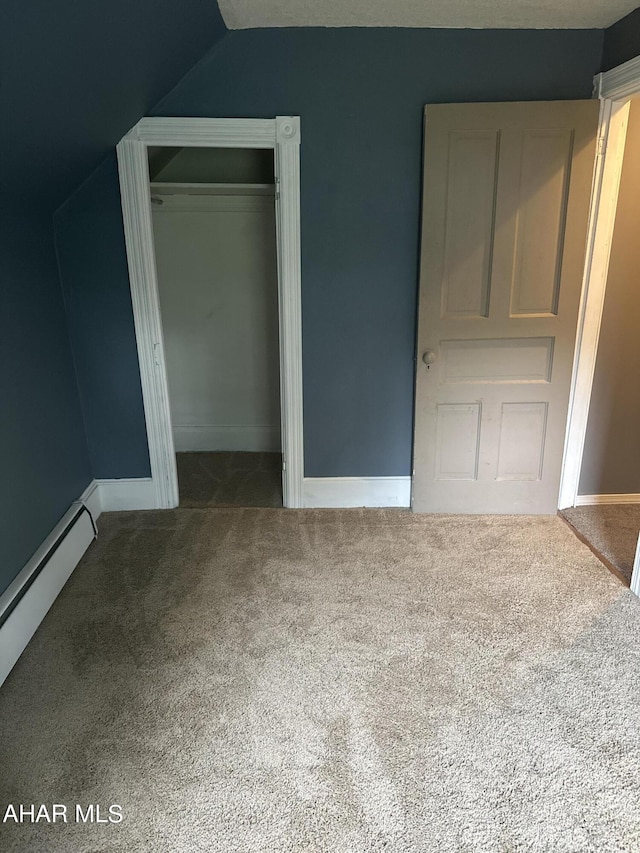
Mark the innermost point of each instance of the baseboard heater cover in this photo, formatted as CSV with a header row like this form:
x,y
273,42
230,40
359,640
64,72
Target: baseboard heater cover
x,y
26,601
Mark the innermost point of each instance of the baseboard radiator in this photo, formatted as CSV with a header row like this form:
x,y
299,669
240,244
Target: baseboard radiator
x,y
26,601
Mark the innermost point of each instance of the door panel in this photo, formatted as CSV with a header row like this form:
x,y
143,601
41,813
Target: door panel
x,y
497,360
521,446
469,223
505,208
458,441
540,222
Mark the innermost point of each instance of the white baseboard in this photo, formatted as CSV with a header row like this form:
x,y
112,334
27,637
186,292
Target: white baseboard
x,y
126,494
123,494
337,492
591,500
260,438
26,601
328,492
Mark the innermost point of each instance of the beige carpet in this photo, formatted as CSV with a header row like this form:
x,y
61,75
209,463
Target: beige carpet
x,y
611,530
338,681
229,479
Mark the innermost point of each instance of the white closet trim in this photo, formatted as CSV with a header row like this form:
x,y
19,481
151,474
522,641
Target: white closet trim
x,y
282,134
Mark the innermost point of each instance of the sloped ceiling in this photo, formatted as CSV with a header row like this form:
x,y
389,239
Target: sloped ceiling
x,y
477,14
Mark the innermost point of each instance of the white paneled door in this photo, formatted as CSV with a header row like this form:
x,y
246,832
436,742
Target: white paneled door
x,y
504,223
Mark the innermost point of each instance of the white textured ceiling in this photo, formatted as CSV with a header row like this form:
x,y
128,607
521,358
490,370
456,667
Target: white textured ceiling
x,y
477,14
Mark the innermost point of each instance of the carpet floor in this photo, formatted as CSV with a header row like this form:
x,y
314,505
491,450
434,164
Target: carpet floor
x,y
611,530
229,479
342,681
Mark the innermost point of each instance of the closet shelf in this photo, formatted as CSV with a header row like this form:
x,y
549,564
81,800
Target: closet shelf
x,y
175,188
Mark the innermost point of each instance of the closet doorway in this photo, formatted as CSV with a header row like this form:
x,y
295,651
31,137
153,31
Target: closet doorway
x,y
214,232
252,146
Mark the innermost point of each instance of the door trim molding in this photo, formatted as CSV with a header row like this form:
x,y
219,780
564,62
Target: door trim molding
x,y
619,83
282,134
613,88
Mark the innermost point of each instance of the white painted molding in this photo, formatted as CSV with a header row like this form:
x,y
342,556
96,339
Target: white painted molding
x,y
635,574
138,229
288,130
127,494
118,495
593,500
287,173
199,132
337,492
91,499
258,438
283,135
621,82
612,134
26,601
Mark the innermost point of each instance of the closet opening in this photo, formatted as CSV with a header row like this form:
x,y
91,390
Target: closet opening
x,y
214,236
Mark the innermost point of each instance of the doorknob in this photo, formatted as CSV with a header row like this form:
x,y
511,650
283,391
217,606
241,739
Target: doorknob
x,y
428,357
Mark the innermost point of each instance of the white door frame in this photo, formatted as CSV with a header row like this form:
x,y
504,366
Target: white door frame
x,y
282,134
614,88
635,574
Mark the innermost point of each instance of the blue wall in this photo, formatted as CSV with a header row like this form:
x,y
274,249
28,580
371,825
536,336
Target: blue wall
x,y
92,256
360,95
45,464
75,77
621,41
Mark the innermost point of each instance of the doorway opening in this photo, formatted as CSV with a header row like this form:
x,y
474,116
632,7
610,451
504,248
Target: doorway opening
x,y
606,514
601,433
213,213
261,157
